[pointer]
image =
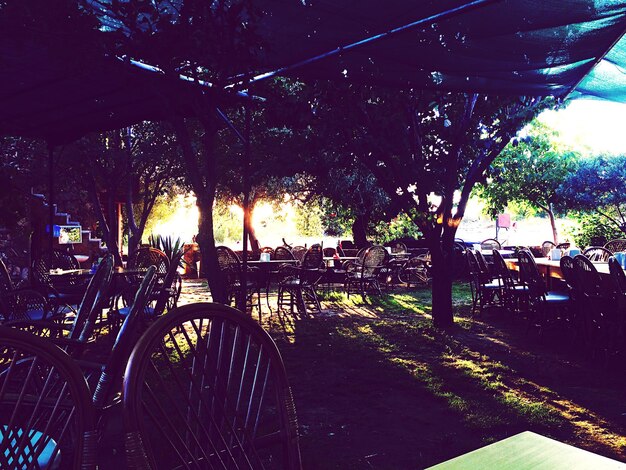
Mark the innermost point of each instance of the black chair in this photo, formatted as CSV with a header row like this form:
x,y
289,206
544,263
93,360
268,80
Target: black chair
x,y
85,321
297,289
231,268
490,244
599,319
205,387
362,277
614,246
598,254
20,303
618,278
545,307
513,293
486,291
546,247
62,291
46,416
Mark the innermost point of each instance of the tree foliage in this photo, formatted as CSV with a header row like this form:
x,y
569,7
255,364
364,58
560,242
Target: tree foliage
x,y
598,185
530,170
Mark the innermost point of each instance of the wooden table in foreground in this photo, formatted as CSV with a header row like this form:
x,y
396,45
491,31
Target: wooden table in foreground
x,y
528,450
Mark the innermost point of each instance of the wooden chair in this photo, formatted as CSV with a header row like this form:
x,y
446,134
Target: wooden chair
x,y
513,293
205,387
46,415
18,303
597,254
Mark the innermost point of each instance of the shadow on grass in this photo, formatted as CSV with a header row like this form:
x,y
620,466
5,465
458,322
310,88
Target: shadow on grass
x,y
383,389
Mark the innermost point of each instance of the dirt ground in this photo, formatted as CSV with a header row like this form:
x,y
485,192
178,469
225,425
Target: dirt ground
x,y
376,387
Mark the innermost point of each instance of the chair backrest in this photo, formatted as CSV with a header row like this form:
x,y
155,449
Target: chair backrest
x,y
482,264
168,291
46,416
617,276
597,254
329,251
398,247
148,256
546,247
568,268
205,387
588,276
127,337
472,263
530,275
64,260
374,258
619,244
490,244
313,258
283,253
347,244
564,246
299,252
501,269
94,300
229,264
6,285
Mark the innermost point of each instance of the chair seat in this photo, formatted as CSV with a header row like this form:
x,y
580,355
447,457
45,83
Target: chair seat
x,y
557,297
492,285
24,458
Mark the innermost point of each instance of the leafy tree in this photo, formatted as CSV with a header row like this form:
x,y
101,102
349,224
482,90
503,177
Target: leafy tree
x,y
424,148
598,185
206,41
593,229
529,170
136,166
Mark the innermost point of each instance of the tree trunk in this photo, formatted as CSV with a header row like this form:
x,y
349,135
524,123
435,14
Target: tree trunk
x,y
555,233
254,241
359,230
209,266
442,259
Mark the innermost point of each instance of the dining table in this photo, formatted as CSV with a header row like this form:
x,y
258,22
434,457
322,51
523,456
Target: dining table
x,y
528,450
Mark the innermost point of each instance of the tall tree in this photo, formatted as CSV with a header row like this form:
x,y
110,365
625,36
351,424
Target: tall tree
x,y
207,41
427,150
529,170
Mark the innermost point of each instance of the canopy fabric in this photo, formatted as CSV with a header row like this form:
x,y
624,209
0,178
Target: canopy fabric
x,y
520,47
535,47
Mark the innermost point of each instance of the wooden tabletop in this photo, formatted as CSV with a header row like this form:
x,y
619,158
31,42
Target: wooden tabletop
x,y
528,450
551,268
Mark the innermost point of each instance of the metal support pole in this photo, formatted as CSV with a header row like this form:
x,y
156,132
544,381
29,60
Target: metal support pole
x,y
246,203
51,197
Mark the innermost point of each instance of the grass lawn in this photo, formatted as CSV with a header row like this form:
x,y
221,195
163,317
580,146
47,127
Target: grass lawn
x,y
376,387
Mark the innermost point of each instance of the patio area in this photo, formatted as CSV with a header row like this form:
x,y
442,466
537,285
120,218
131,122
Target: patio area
x,y
377,387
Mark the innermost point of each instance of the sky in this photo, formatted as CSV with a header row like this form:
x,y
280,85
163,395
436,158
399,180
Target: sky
x,y
596,125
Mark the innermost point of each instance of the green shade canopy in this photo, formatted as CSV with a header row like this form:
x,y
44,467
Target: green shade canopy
x,y
519,47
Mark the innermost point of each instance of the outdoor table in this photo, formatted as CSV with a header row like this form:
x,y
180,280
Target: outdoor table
x,y
528,450
505,253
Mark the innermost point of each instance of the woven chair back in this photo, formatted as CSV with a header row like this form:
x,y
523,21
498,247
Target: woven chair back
x,y
546,247
148,256
617,276
283,253
46,415
313,258
374,258
490,244
299,252
619,244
